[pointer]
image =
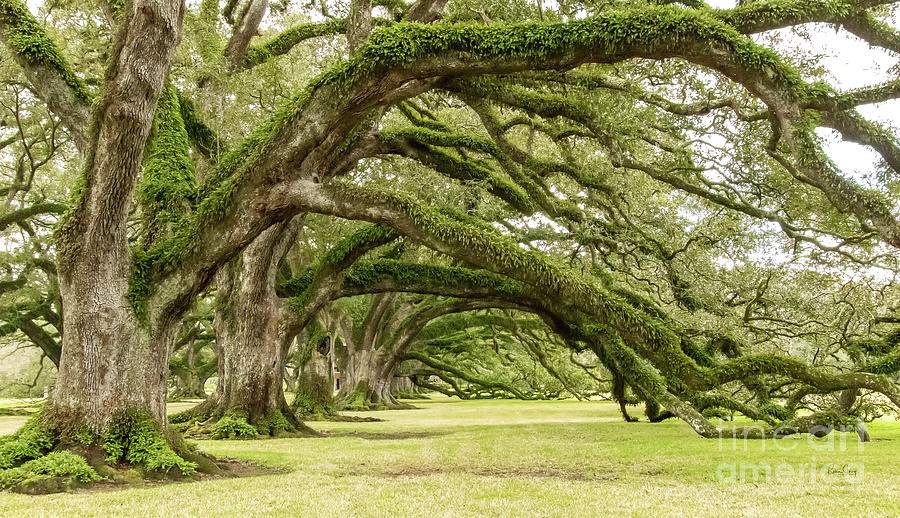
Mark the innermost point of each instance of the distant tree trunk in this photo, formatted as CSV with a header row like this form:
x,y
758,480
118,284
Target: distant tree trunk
x,y
375,351
368,363
402,384
366,381
314,390
190,378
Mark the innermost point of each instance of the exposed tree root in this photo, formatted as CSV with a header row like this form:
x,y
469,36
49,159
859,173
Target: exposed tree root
x,y
210,420
44,457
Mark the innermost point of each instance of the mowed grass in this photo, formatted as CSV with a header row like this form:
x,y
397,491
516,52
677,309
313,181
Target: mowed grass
x,y
516,458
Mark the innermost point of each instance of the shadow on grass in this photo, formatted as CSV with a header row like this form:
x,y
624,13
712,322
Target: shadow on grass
x,y
385,436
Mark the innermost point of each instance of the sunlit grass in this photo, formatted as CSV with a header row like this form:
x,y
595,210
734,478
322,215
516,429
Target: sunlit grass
x,y
515,458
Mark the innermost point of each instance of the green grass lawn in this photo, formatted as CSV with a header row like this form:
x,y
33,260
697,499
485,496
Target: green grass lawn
x,y
516,458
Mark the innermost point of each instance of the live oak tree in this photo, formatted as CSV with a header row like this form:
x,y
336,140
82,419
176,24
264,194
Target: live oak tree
x,y
33,193
193,360
559,106
500,354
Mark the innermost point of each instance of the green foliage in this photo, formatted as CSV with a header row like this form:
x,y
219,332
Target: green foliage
x,y
31,441
358,399
31,44
135,438
273,423
230,426
85,437
285,41
54,464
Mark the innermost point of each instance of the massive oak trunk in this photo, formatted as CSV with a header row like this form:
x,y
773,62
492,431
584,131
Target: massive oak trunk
x,y
366,381
253,335
368,357
112,363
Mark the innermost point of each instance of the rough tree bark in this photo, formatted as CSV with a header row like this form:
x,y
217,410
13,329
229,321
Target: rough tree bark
x,y
314,390
374,352
253,336
115,361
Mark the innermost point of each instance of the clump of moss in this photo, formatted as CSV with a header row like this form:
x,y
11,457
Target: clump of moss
x,y
358,399
135,438
56,464
273,424
31,441
310,408
232,427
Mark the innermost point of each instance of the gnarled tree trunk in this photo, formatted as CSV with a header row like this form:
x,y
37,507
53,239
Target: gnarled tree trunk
x,y
314,392
253,335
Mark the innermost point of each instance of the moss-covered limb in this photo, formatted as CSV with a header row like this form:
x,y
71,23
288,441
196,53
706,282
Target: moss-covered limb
x,y
747,366
857,97
813,167
168,189
37,209
468,377
872,30
703,401
140,59
421,117
388,275
461,169
284,42
855,128
46,68
754,17
338,258
201,136
886,365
